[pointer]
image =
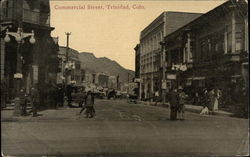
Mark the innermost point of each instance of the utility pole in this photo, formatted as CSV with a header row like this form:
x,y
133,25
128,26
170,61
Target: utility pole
x,y
164,83
128,77
163,44
67,46
67,56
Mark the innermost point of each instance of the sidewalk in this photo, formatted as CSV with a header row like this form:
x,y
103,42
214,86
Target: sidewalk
x,y
191,108
63,113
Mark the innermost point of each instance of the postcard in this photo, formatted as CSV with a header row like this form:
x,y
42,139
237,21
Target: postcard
x,y
129,78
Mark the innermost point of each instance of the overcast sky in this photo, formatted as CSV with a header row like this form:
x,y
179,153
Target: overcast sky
x,y
113,33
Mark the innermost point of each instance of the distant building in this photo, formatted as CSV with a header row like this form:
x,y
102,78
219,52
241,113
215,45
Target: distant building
x,y
103,80
137,61
151,51
112,82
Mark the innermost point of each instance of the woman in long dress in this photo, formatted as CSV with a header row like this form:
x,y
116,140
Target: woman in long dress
x,y
216,101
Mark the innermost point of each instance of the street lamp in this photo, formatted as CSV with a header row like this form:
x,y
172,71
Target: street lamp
x,y
19,36
164,83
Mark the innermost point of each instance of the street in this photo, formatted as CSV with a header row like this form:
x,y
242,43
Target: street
x,y
122,129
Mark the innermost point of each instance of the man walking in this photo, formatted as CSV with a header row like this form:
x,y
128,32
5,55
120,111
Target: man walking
x,y
174,102
89,104
69,95
34,100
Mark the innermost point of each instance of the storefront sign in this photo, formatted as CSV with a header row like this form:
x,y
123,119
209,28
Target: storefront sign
x,y
18,75
171,76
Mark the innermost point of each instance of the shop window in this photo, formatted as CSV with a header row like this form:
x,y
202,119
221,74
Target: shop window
x,y
238,44
204,50
209,48
229,42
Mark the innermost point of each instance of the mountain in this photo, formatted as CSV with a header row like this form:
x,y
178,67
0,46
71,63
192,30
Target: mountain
x,y
105,65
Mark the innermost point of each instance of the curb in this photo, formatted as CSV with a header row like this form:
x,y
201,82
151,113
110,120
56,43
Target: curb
x,y
190,109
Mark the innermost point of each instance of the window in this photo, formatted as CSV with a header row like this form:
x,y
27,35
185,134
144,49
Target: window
x,y
229,42
238,44
203,50
209,48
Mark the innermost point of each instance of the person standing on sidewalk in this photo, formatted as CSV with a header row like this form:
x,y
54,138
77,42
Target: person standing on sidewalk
x,y
174,102
157,97
23,102
211,96
181,107
60,95
34,100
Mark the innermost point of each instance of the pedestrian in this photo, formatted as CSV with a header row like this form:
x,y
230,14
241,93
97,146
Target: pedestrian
x,y
84,95
69,95
181,107
23,102
60,96
211,96
205,103
157,97
174,102
34,100
89,104
196,98
216,99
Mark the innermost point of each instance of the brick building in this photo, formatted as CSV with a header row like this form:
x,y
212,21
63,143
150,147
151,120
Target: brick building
x,y
35,64
211,52
151,51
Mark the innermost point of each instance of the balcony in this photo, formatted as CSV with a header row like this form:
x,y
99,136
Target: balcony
x,y
29,16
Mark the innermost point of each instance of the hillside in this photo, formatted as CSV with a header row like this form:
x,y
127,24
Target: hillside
x,y
105,65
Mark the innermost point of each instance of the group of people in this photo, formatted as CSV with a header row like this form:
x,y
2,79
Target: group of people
x,y
25,98
176,100
210,100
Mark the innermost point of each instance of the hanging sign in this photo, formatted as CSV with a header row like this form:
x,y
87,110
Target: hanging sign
x,y
164,84
18,75
171,76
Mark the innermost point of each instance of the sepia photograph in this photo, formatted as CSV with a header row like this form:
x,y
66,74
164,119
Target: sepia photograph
x,y
124,78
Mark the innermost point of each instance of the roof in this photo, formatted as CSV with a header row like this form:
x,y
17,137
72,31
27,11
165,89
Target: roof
x,y
223,8
174,21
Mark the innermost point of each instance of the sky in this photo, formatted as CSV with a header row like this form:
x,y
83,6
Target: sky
x,y
113,33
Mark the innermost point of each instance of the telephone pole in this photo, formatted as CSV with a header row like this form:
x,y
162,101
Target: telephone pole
x,y
67,46
67,55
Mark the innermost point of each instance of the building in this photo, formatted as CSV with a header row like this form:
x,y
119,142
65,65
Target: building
x,y
137,61
151,50
112,83
24,64
74,72
103,80
211,52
